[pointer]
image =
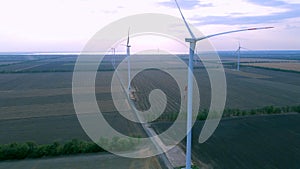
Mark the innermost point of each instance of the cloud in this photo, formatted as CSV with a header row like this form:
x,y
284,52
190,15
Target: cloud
x,y
237,12
185,5
236,18
191,4
268,2
291,1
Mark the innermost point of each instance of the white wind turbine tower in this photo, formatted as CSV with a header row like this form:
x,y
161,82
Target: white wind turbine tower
x,y
128,62
238,51
193,40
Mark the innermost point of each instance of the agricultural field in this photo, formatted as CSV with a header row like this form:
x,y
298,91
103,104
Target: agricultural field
x,y
36,97
249,88
46,100
276,60
88,161
36,105
287,66
265,141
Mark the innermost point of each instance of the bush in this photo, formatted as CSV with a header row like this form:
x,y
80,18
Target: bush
x,y
295,109
202,115
14,151
32,150
92,148
53,149
120,144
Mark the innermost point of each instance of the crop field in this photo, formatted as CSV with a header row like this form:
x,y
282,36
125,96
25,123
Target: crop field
x,y
248,89
36,96
46,99
290,66
88,161
47,94
36,105
249,142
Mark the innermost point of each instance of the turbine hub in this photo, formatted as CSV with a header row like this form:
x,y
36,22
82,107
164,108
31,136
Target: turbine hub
x,y
191,40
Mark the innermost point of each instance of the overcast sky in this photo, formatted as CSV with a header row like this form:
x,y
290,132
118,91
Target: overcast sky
x,y
67,25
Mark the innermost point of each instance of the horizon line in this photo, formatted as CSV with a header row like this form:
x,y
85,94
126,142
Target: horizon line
x,y
120,53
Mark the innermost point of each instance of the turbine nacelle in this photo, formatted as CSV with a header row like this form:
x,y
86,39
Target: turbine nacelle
x,y
191,40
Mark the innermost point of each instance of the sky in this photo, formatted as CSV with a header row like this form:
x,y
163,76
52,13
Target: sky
x,y
67,25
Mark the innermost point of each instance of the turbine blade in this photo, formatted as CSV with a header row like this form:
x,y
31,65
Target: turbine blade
x,y
128,37
236,51
186,24
234,31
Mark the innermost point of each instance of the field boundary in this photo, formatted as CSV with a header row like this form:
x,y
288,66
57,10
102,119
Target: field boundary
x,y
269,68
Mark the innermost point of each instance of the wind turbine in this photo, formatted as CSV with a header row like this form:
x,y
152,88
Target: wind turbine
x,y
193,40
238,51
128,62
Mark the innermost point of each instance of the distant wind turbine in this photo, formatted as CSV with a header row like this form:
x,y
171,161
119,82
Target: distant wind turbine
x,y
128,62
238,51
193,42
